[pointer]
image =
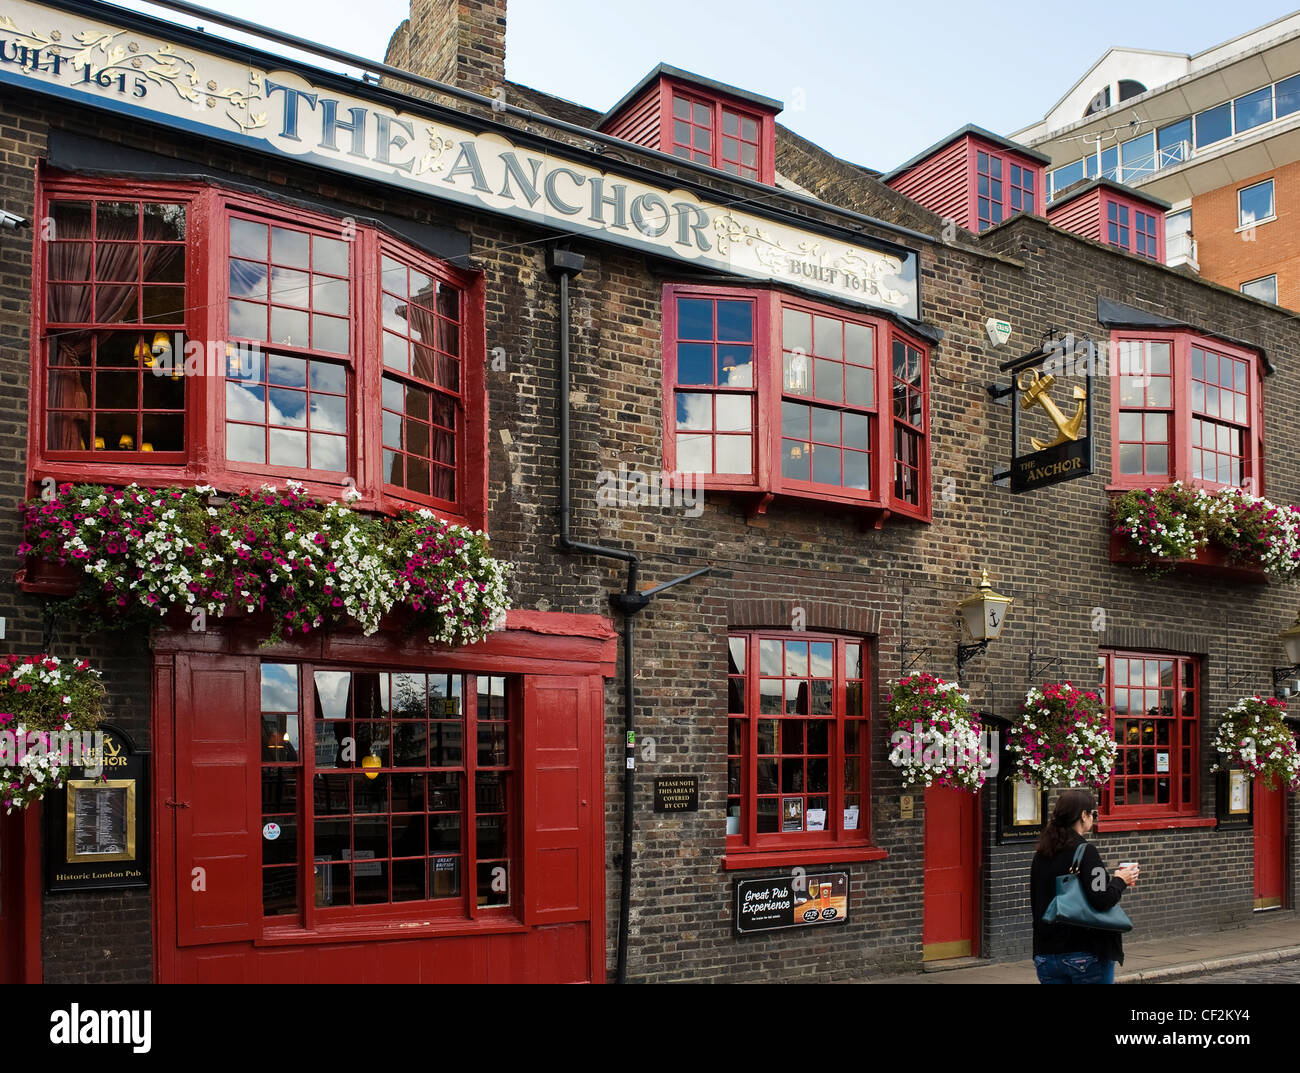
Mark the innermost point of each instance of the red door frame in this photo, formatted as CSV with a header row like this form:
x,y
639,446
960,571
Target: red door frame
x,y
975,841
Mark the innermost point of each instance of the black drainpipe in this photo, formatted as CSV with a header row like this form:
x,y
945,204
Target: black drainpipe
x,y
567,264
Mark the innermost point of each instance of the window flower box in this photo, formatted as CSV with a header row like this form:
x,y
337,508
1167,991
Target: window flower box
x,y
1227,533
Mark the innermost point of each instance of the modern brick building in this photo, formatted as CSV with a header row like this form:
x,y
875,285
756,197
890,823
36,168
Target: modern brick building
x,y
520,314
1214,134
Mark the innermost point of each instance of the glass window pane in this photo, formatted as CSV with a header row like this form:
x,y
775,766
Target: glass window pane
x,y
1253,109
734,413
1287,96
1255,203
1214,124
735,454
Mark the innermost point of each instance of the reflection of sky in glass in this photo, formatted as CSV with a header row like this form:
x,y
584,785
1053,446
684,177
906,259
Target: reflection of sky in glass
x,y
821,659
279,687
694,411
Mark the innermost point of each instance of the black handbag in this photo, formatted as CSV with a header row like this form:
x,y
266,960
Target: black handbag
x,y
1071,905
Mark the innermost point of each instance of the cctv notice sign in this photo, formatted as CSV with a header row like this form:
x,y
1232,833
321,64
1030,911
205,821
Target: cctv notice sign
x,y
791,901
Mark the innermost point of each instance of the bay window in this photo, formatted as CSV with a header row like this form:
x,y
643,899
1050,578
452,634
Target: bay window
x,y
798,742
191,334
1154,701
1187,408
774,394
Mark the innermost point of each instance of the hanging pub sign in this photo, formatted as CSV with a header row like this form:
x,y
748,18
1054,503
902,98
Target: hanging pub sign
x,y
97,826
1051,393
791,902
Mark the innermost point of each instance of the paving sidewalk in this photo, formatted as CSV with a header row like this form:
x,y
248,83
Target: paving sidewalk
x,y
1269,937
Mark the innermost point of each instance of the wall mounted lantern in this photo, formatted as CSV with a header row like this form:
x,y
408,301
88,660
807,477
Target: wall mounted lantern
x,y
983,612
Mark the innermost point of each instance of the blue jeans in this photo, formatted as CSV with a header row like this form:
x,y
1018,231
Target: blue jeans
x,y
1073,969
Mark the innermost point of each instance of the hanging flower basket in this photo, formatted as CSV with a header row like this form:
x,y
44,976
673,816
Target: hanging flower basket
x,y
45,704
303,562
1228,530
935,737
1063,738
1253,736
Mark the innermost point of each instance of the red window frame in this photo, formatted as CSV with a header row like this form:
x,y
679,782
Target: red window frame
x,y
1139,227
207,319
1143,737
769,364
1011,187
844,755
1185,409
301,808
720,110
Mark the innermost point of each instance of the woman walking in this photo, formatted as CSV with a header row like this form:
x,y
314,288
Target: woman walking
x,y
1066,953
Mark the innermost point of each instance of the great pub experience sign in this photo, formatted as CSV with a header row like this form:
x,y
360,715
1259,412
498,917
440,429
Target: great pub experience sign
x,y
791,901
280,112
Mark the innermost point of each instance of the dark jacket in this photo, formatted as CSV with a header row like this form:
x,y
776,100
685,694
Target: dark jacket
x,y
1067,938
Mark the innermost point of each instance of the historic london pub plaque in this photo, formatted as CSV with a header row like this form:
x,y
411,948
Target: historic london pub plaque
x,y
97,829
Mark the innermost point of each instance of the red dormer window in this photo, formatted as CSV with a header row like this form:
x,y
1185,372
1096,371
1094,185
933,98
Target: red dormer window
x,y
700,121
709,132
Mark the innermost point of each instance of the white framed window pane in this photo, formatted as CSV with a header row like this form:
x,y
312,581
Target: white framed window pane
x,y
1255,203
1264,289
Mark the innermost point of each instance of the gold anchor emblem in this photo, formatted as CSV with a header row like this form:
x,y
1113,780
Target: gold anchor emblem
x,y
1035,393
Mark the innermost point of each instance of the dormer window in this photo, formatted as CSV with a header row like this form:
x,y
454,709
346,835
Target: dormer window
x,y
699,120
975,178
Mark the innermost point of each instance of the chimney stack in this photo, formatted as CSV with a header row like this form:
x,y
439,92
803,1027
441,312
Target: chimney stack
x,y
460,42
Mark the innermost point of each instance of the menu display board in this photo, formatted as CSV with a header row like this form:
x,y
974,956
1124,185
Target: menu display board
x,y
791,901
101,820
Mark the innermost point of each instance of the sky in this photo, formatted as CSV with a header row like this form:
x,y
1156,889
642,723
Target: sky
x,y
870,82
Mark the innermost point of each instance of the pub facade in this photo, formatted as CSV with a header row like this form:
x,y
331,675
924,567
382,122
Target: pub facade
x,y
734,416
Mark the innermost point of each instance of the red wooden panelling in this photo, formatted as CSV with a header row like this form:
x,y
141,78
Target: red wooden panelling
x,y
217,800
1082,215
941,183
639,121
557,799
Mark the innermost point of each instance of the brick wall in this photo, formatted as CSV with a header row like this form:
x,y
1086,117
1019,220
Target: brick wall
x,y
1232,257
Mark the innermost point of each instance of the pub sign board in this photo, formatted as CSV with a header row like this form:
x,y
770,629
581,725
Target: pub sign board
x,y
788,901
1059,433
97,826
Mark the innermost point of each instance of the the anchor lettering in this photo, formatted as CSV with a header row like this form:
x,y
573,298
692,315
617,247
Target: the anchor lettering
x,y
1036,394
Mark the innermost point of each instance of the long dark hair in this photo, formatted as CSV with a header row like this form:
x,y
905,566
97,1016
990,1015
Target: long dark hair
x,y
1059,831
